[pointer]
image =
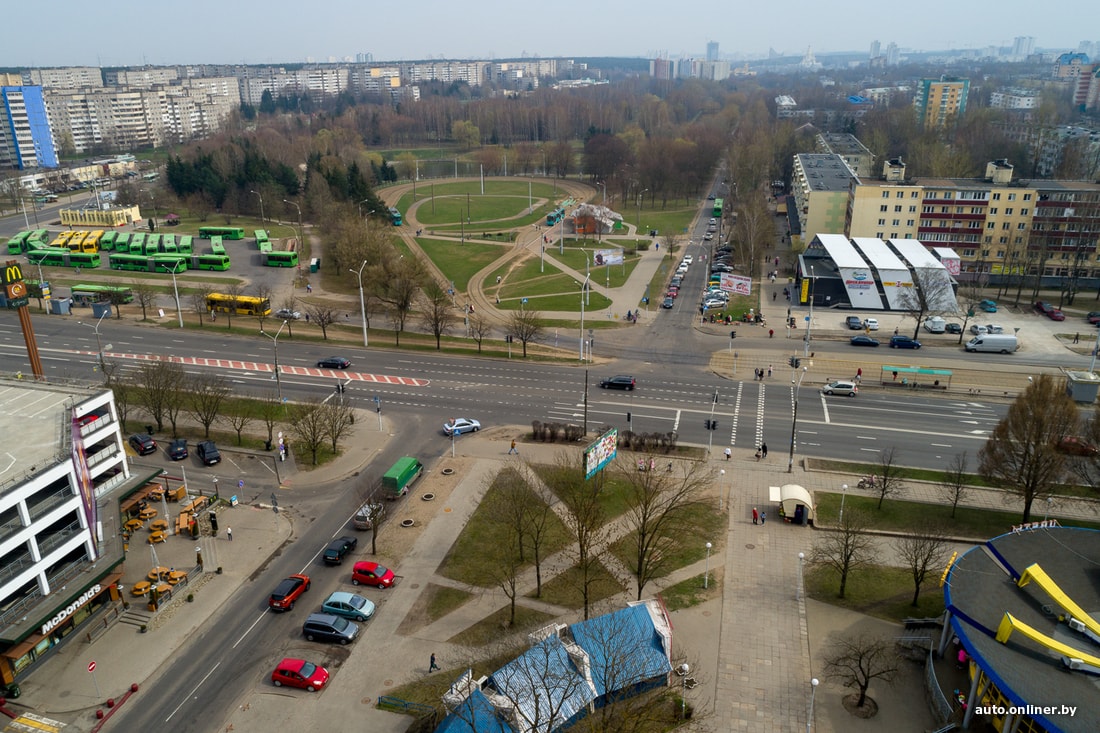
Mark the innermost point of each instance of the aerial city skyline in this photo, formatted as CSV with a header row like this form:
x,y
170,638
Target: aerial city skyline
x,y
212,32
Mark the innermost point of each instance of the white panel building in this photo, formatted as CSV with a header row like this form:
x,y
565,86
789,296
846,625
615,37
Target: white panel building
x,y
892,274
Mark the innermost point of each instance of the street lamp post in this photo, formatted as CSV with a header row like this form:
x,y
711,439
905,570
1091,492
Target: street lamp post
x,y
301,239
176,290
794,418
275,341
584,290
638,221
843,496
813,691
263,219
98,340
706,568
801,587
684,669
361,208
810,320
604,185
362,301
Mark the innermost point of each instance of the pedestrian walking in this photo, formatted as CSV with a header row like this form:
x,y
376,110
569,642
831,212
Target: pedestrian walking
x,y
763,517
432,666
774,296
513,449
859,375
769,371
764,449
309,288
1076,337
755,516
728,453
229,533
758,455
895,330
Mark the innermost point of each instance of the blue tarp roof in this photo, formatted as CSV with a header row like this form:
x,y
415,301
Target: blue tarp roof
x,y
476,713
545,685
630,636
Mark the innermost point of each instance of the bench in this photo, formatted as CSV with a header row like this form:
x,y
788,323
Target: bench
x,y
182,521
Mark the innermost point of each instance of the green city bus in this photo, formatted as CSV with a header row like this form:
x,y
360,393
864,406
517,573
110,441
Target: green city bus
x,y
42,236
261,235
83,259
169,263
18,244
122,242
210,262
223,232
107,241
51,256
168,243
152,244
185,244
265,247
138,263
281,259
88,294
216,246
137,244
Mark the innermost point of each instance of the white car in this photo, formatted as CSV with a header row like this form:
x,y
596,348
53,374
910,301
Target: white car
x,y
714,303
871,324
460,425
689,259
708,236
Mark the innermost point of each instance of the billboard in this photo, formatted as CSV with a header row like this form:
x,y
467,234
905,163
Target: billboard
x,y
608,257
597,455
737,284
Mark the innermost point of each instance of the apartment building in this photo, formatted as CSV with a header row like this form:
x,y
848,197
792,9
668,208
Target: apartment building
x,y
26,138
996,224
1015,99
60,541
849,148
820,188
69,77
939,102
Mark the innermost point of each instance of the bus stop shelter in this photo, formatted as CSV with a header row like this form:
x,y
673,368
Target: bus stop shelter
x,y
915,377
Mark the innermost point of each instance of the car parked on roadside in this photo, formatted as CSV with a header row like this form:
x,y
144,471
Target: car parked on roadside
x,y
287,592
846,389
366,572
619,381
1048,310
328,627
988,306
337,549
668,303
299,673
853,323
1093,317
143,443
177,449
208,453
863,341
287,314
904,342
348,605
955,328
871,324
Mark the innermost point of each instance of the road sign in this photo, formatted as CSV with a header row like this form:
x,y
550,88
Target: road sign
x,y
91,666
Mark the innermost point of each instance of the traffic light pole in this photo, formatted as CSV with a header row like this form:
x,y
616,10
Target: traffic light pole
x,y
710,424
794,418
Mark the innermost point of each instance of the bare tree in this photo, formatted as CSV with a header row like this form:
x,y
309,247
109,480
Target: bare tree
x,y
585,518
437,311
157,388
262,291
857,661
238,420
145,295
233,292
923,552
309,427
206,393
953,485
322,316
371,496
269,408
932,293
845,549
753,229
1022,452
199,300
338,418
658,514
890,475
126,394
398,283
527,326
480,328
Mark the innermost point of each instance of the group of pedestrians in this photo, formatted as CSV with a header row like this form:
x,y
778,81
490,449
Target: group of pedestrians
x,y
762,451
761,372
759,517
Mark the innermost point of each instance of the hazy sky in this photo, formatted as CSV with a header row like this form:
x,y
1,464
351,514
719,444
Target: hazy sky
x,y
130,33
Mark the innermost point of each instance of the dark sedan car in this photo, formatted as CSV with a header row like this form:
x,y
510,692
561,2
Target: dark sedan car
x,y
668,303
177,449
143,444
864,341
334,362
620,381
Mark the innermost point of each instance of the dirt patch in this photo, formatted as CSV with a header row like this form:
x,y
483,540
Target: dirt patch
x,y
869,709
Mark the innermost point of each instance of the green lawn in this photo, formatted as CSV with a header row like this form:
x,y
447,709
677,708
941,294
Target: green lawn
x,y
565,589
876,590
460,262
690,592
704,520
898,515
488,630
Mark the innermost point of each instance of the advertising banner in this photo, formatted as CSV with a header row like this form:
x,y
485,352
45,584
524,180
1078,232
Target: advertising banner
x,y
736,284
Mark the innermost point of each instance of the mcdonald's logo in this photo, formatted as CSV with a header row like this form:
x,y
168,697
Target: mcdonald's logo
x,y
13,273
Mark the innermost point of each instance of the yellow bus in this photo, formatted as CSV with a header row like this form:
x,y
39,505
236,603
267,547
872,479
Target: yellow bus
x,y
243,305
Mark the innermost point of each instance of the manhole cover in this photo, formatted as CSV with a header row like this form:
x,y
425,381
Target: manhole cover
x,y
749,546
407,522
428,497
447,471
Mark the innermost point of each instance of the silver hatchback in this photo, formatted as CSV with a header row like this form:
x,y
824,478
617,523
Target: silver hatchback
x,y
848,389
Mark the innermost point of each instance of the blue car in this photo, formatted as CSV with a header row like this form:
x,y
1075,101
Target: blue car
x,y
903,342
988,306
348,605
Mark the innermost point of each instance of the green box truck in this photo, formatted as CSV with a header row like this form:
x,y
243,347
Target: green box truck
x,y
396,481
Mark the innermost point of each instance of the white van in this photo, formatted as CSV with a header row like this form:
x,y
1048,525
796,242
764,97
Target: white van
x,y
1004,343
935,324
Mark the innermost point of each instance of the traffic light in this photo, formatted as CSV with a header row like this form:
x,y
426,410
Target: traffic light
x,y
794,361
790,321
733,334
628,417
713,424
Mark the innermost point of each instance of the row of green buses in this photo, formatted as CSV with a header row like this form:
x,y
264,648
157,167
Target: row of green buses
x,y
176,263
62,257
88,294
24,241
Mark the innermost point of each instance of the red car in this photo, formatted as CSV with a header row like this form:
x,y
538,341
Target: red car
x,y
287,592
1075,446
299,673
371,573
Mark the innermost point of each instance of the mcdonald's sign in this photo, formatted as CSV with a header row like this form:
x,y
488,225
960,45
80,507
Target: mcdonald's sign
x,y
14,288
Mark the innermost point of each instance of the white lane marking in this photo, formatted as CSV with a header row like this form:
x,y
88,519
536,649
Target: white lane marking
x,y
192,693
